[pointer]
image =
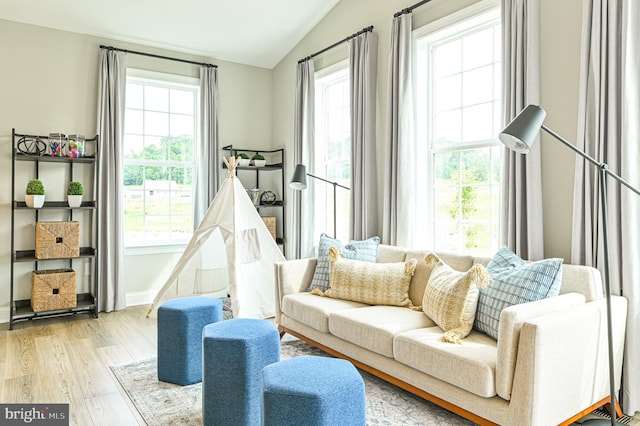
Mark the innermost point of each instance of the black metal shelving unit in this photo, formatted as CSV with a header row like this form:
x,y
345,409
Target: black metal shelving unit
x,y
20,310
271,167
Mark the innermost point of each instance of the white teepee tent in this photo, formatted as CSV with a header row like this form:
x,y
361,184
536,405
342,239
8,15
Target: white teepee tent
x,y
232,245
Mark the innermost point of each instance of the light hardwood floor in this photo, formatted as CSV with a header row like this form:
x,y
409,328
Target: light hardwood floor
x,y
67,360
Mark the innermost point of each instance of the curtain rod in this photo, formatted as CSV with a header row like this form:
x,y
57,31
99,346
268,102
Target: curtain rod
x,y
157,56
364,30
410,8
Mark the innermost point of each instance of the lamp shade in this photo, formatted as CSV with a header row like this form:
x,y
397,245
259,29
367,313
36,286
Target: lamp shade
x,y
520,134
299,179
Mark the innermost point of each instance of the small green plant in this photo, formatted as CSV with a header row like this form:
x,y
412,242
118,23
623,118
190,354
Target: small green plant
x,y
257,157
243,156
75,188
35,187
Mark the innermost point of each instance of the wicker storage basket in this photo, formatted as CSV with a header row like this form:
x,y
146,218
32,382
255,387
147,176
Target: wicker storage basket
x,y
53,289
270,221
57,240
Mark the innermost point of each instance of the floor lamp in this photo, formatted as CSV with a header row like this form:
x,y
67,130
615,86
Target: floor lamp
x,y
519,136
299,182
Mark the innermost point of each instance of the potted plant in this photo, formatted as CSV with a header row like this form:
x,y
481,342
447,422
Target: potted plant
x,y
74,194
34,196
243,159
258,160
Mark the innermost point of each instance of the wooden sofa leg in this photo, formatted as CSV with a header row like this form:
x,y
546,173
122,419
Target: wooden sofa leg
x,y
282,331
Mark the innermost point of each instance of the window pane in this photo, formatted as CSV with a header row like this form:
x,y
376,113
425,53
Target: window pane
x,y
182,125
133,146
477,123
448,59
476,165
476,89
155,148
448,128
133,175
477,49
158,228
182,101
156,98
133,98
156,123
446,236
448,93
133,122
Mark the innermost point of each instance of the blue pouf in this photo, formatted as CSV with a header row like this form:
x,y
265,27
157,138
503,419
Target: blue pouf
x,y
180,324
235,352
312,390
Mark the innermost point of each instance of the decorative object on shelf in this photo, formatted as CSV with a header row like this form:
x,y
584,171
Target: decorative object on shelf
x,y
254,194
259,160
76,146
57,240
31,145
74,194
34,196
53,289
267,198
243,159
57,144
270,222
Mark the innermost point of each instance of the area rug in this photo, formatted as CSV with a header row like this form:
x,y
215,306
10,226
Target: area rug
x,y
161,403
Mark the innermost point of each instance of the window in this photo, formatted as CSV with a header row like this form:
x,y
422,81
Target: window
x,y
158,161
332,153
459,116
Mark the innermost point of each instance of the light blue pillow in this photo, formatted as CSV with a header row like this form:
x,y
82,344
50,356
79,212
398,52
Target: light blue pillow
x,y
514,281
366,251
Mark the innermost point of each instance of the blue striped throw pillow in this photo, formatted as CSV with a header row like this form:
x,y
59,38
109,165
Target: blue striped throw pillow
x,y
366,251
514,281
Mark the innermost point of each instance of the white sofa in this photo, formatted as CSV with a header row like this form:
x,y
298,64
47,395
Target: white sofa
x,y
549,365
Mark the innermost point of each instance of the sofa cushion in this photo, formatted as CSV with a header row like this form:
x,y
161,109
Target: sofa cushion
x,y
451,297
366,251
314,311
421,276
470,366
374,327
371,283
514,281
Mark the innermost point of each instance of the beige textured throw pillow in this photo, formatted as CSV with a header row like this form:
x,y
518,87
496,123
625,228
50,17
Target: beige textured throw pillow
x,y
451,297
370,283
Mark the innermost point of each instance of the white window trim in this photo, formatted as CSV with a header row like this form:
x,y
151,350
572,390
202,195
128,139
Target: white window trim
x,y
180,81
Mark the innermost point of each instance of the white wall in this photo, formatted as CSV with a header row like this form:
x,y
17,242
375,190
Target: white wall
x,y
560,61
48,83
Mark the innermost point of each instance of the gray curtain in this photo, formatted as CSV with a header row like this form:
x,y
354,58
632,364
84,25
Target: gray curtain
x,y
363,57
399,213
111,92
608,130
303,136
207,159
521,187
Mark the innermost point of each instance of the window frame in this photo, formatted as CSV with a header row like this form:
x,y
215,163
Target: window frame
x,y
441,30
170,81
338,72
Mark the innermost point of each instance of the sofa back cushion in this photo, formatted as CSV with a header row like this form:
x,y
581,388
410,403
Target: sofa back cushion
x,y
585,280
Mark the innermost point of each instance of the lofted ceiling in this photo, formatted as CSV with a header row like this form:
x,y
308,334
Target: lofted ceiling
x,y
253,32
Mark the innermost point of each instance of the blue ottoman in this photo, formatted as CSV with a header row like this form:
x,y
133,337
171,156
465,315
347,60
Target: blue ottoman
x,y
312,390
180,324
235,352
